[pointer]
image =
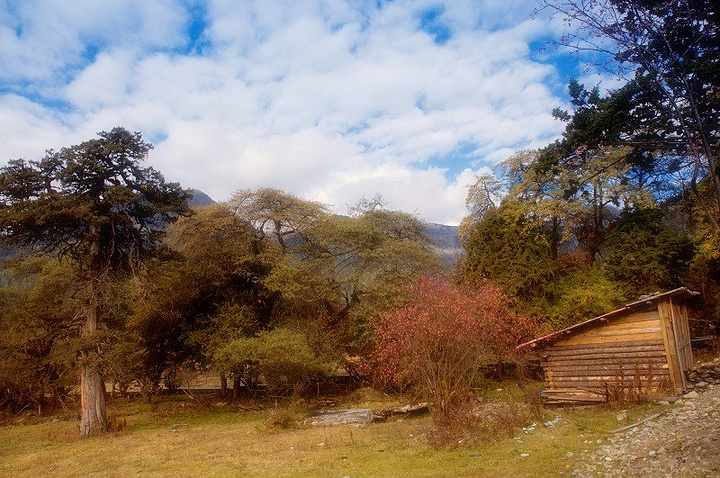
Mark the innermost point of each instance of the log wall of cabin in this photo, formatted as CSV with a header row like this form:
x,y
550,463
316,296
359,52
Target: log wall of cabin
x,y
624,352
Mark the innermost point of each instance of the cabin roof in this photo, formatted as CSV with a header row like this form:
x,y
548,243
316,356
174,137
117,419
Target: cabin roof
x,y
682,292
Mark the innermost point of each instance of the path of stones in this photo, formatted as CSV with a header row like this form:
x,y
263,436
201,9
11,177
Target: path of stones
x,y
683,442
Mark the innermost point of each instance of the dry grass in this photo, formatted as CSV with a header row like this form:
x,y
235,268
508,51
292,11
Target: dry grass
x,y
180,438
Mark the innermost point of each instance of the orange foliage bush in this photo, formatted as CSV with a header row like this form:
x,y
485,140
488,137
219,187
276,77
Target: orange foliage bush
x,y
438,341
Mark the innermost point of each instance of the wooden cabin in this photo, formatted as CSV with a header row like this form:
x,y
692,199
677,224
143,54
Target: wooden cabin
x,y
643,346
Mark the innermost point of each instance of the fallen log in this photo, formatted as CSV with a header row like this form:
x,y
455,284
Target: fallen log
x,y
405,410
628,427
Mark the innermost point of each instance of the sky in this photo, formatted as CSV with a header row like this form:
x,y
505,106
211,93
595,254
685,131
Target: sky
x,y
329,100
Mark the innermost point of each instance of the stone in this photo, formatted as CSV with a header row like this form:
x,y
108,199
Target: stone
x,y
691,394
553,422
683,441
357,416
701,384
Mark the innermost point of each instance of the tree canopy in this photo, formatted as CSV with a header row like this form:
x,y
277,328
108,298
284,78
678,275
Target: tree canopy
x,y
627,200
94,205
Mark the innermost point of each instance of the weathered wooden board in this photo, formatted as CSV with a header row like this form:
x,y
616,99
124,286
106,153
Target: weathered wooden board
x,y
580,339
597,372
625,325
608,378
579,382
671,351
571,396
610,360
631,345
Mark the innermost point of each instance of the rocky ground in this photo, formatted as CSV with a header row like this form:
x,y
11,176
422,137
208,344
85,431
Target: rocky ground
x,y
682,442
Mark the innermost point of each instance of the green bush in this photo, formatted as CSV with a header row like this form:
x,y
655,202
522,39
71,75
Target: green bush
x,y
282,356
584,294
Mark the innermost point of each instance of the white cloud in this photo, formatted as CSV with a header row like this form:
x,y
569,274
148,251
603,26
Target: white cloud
x,y
329,100
28,129
42,39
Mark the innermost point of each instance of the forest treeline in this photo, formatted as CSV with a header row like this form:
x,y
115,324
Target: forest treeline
x,y
111,276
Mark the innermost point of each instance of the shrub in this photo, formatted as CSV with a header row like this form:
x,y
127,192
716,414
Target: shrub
x,y
584,294
282,418
281,355
438,341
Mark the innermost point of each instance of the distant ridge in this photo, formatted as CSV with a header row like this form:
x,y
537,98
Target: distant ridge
x,y
199,198
445,238
447,241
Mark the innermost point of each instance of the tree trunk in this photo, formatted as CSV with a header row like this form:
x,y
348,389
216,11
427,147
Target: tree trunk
x,y
236,387
93,418
555,238
223,385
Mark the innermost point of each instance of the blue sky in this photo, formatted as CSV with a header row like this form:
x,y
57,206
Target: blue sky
x,y
330,100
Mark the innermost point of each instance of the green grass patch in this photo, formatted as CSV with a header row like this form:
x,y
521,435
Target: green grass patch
x,y
184,438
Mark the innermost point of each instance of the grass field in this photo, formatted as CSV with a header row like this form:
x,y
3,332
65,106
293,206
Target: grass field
x,y
175,436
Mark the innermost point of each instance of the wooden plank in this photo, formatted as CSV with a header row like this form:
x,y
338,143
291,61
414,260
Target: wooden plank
x,y
600,350
614,372
595,374
575,400
609,370
568,391
580,354
617,362
639,345
648,315
623,328
601,379
600,387
569,362
682,335
609,340
571,396
629,324
639,316
587,395
592,386
630,329
676,376
610,375
628,427
604,356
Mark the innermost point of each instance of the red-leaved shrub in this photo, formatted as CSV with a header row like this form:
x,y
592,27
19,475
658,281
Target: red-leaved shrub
x,y
440,339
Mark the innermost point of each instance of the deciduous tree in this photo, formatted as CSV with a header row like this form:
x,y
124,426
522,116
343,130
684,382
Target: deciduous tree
x,y
669,50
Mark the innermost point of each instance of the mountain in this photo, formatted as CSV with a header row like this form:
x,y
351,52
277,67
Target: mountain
x,y
447,241
446,238
199,198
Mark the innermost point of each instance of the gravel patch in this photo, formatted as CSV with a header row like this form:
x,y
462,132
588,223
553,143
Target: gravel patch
x,y
683,442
